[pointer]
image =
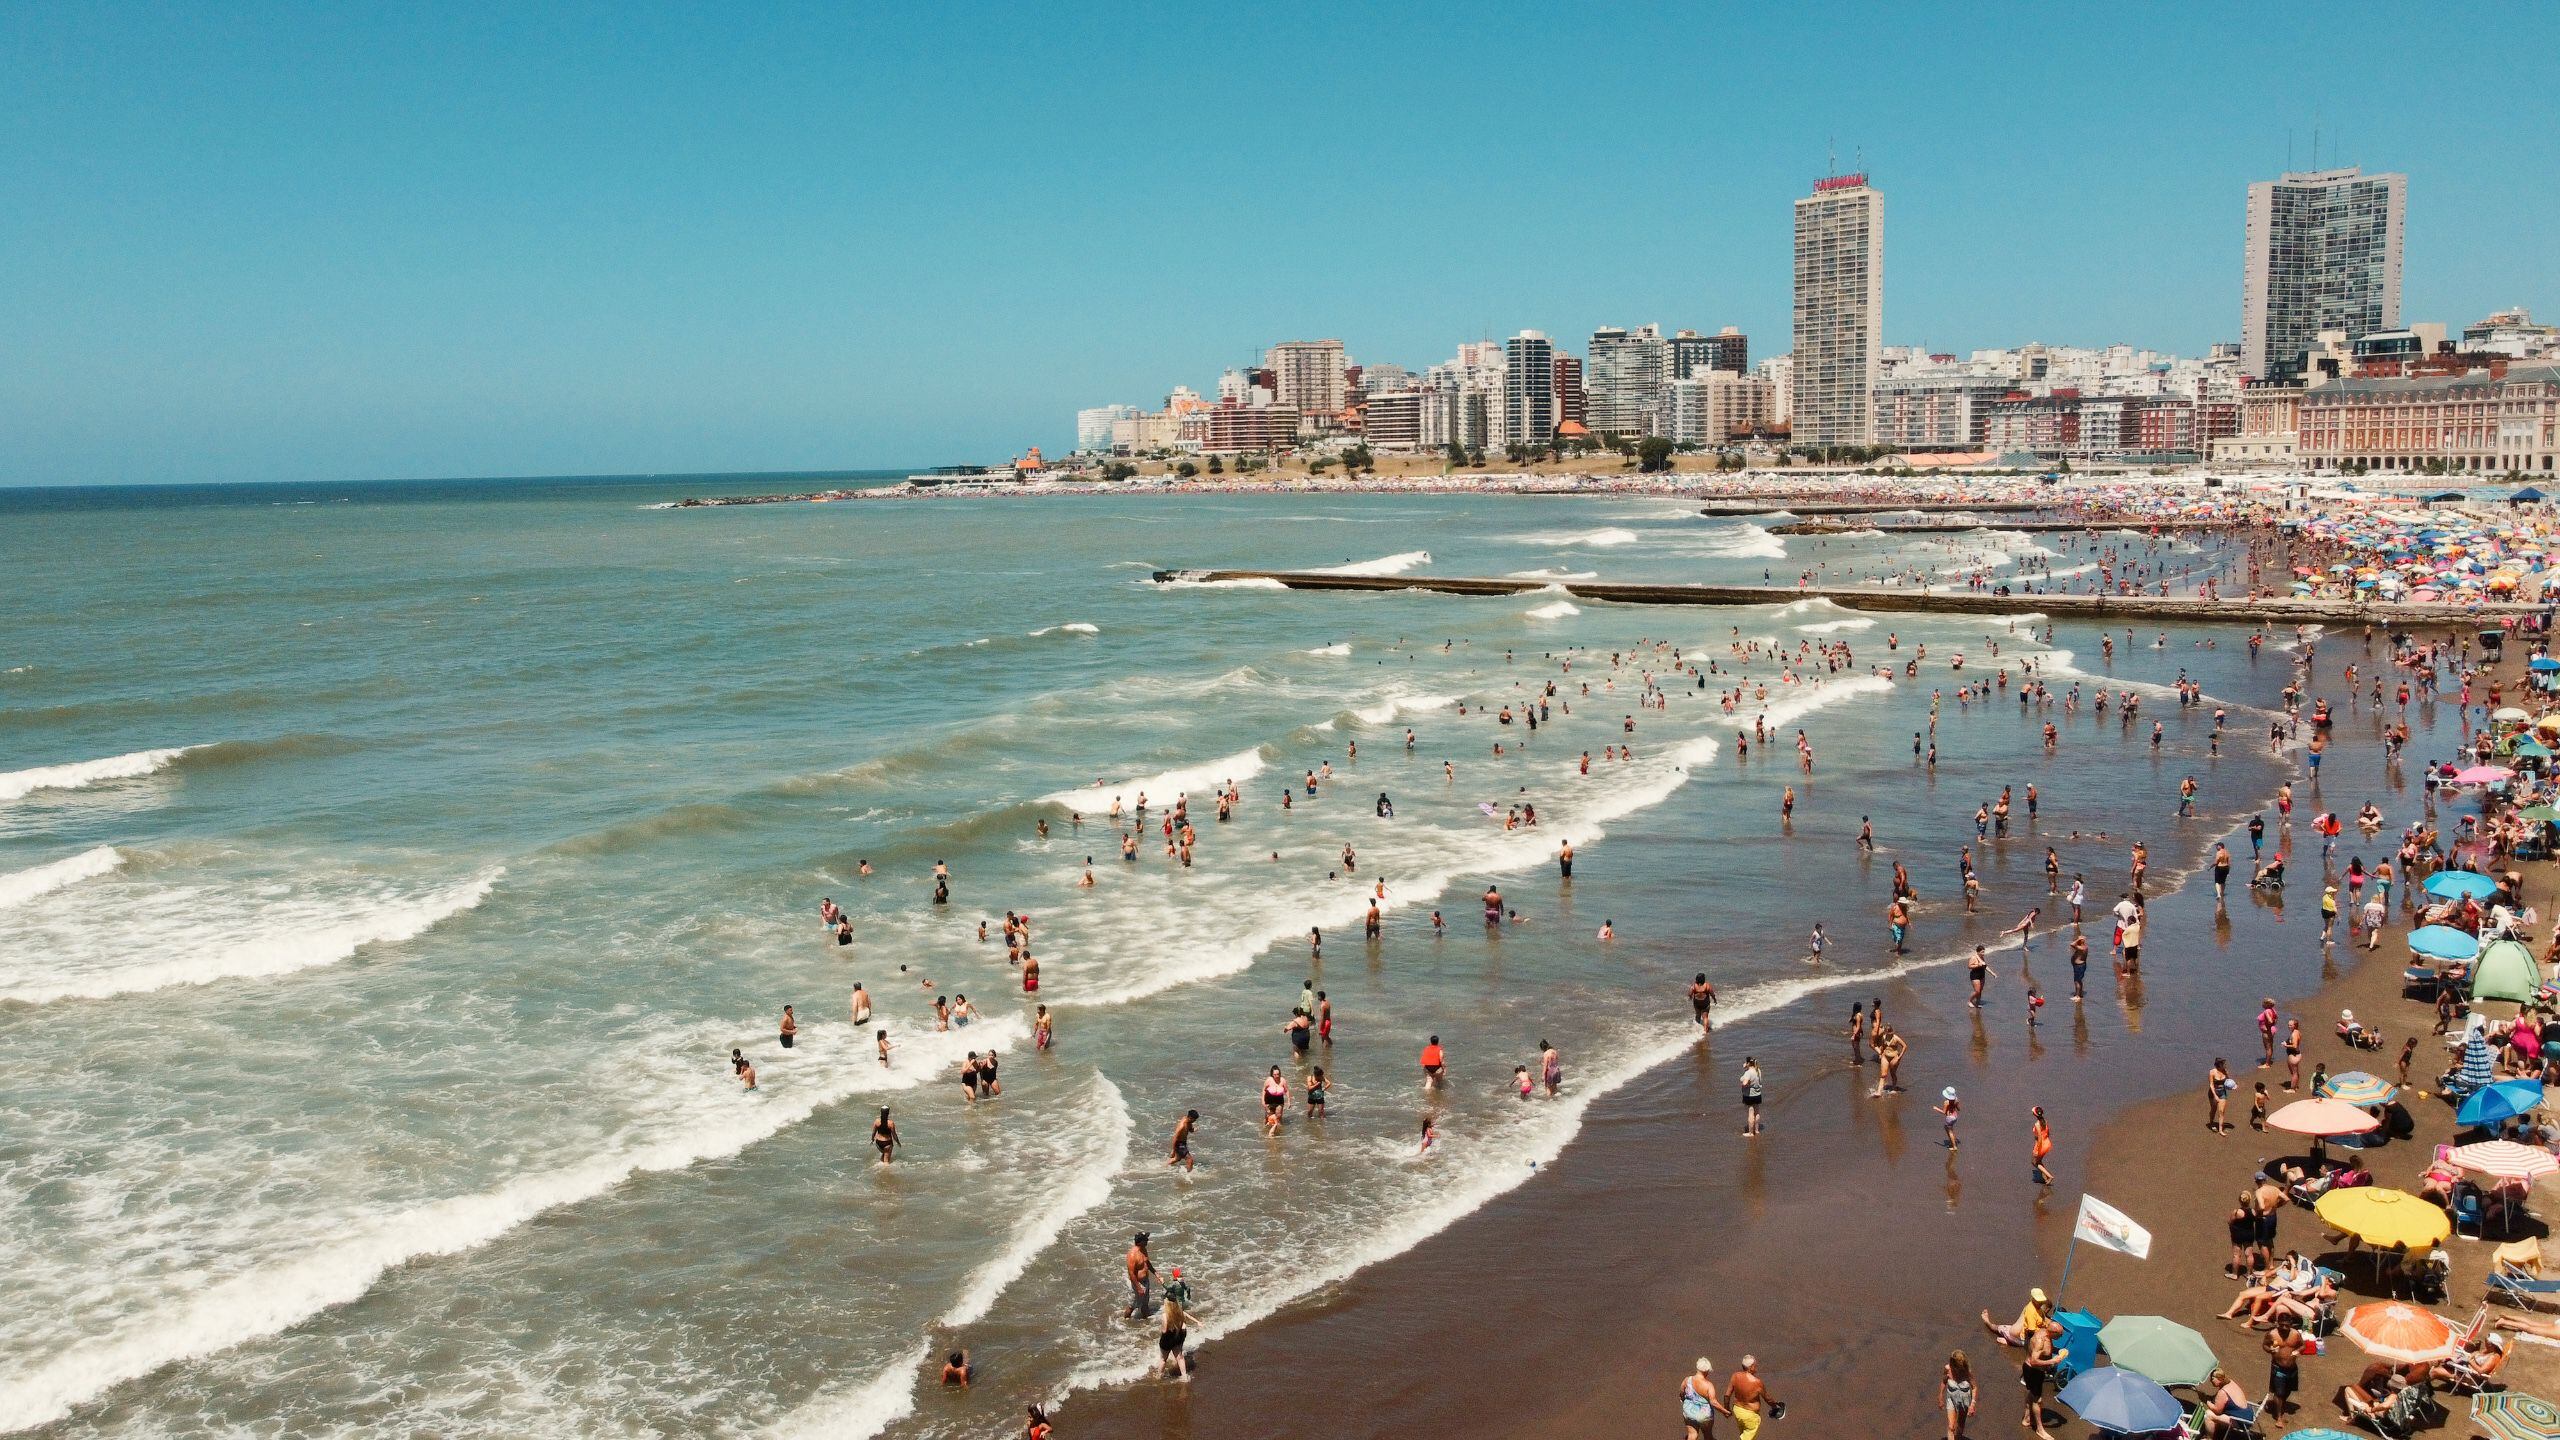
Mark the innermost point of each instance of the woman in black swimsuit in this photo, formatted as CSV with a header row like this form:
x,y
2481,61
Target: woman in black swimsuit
x,y
884,1135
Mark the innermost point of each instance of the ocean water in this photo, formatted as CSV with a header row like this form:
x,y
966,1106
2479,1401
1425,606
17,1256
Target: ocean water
x,y
387,872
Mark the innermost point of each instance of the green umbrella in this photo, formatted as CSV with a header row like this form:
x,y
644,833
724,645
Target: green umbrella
x,y
2506,971
2510,1416
2160,1350
2539,812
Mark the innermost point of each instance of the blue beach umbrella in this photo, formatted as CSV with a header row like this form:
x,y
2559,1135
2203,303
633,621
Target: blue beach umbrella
x,y
2442,942
2455,884
2498,1103
2115,1399
2545,662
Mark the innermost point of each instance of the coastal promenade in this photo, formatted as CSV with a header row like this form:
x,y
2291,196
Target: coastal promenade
x,y
1771,504
2162,609
1949,527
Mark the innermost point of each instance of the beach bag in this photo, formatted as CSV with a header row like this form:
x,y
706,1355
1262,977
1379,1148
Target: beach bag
x,y
1694,1407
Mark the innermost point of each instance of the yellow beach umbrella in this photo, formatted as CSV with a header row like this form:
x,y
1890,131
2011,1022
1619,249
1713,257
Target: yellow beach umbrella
x,y
2383,1218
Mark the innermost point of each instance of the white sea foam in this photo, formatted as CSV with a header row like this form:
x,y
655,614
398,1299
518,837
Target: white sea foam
x,y
349,1257
300,938
25,885
1387,710
1069,1199
1161,788
1383,565
1605,538
1246,921
1336,649
80,775
1254,582
1553,573
1744,541
1554,610
1073,627
1827,627
862,1411
1478,1171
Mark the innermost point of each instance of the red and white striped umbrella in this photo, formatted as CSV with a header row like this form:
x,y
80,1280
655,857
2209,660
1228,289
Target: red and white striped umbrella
x,y
2505,1160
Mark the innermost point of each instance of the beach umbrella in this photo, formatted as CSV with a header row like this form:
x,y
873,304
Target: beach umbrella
x,y
2322,1432
2401,1334
2543,813
2506,1160
2442,942
2361,1089
2158,1348
2498,1103
2322,1118
2533,750
2483,775
2478,1066
2114,1398
2509,714
2509,1415
2454,884
2506,972
2544,662
2384,1218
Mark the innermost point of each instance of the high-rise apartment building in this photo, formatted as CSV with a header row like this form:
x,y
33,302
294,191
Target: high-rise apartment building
x,y
1307,374
2323,254
1728,350
1839,310
1528,389
1093,427
1624,377
1572,401
1711,407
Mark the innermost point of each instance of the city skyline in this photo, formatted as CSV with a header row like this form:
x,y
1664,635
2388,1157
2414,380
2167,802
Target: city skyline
x,y
286,245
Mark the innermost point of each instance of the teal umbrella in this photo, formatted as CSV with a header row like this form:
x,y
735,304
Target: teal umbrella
x,y
2443,942
2159,1348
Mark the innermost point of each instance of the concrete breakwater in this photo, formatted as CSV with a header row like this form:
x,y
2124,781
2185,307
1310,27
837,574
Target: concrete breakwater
x,y
2150,609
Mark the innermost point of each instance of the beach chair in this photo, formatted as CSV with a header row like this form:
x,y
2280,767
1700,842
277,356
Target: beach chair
x,y
2467,1210
2407,1412
2238,1420
2520,1288
2431,1277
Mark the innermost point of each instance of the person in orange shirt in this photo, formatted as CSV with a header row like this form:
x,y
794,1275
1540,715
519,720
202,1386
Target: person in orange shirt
x,y
1431,1064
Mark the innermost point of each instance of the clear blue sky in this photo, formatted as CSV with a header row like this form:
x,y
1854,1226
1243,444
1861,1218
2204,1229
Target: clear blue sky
x,y
339,241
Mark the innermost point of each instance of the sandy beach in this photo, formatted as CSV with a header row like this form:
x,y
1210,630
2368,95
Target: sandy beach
x,y
1850,1250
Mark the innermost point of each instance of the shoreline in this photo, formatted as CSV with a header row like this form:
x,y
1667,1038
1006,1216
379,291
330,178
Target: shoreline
x,y
1850,1262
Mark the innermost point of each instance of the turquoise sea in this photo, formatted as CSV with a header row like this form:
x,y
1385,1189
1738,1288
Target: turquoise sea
x,y
387,872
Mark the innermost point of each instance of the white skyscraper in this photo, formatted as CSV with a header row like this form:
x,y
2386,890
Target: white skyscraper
x,y
1839,311
1528,389
2323,254
1624,377
1093,427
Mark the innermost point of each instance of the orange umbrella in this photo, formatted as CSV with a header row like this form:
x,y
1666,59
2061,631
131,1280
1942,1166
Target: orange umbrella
x,y
2322,1117
2401,1334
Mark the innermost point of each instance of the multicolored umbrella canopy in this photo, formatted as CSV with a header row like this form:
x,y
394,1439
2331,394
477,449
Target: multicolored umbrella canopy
x,y
2401,1334
2506,1160
2383,1218
2360,1088
2159,1348
2508,1415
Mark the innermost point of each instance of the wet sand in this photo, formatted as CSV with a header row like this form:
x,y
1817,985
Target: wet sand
x,y
1847,1248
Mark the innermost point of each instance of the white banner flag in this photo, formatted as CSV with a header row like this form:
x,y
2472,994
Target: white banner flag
x,y
2103,1224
